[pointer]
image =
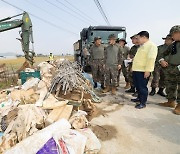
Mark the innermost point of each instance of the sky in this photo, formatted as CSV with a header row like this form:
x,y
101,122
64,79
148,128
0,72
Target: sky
x,y
155,16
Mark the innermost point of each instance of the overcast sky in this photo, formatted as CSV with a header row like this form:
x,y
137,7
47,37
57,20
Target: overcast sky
x,y
155,16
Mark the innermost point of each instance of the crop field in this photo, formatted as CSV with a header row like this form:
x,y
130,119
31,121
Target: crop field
x,y
12,65
17,63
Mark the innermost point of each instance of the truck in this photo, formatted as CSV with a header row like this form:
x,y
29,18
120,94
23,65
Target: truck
x,y
82,46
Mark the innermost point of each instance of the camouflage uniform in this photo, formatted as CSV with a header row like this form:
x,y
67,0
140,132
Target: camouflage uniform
x,y
125,52
158,74
172,73
132,53
97,63
113,58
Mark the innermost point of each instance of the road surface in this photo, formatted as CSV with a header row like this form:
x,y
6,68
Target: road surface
x,y
122,129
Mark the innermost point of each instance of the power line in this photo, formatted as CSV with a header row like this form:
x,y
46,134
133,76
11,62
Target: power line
x,y
45,21
66,11
102,11
83,13
49,13
84,17
98,4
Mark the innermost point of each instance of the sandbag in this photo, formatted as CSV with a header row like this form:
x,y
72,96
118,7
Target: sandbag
x,y
93,145
32,144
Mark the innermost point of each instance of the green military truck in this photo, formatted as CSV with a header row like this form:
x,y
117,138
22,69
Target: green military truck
x,y
82,46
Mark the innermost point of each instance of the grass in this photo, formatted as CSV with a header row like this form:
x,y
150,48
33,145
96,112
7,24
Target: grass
x,y
17,63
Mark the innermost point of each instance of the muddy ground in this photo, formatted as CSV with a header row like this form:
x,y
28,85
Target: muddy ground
x,y
123,129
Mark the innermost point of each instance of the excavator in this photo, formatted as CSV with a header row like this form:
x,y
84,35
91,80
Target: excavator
x,y
26,35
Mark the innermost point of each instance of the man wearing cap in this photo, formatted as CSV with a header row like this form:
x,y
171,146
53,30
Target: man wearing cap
x,y
125,51
158,74
97,62
143,65
170,61
113,62
131,55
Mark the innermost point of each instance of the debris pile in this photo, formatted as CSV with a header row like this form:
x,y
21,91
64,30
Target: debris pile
x,y
49,113
8,76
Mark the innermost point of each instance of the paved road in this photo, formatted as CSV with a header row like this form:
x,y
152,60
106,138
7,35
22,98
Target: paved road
x,y
124,129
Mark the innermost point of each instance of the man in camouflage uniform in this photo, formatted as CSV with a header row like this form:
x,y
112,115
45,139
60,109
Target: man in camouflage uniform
x,y
113,62
125,51
131,55
158,74
97,62
171,62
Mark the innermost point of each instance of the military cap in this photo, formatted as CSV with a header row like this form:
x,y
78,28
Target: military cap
x,y
122,39
97,38
135,35
174,29
167,37
112,36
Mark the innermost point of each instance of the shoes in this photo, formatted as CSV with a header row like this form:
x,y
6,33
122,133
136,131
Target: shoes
x,y
161,92
131,90
107,89
135,94
135,100
168,104
102,86
177,109
127,85
95,85
140,106
153,92
114,90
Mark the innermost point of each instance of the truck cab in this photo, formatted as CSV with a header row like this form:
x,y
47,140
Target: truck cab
x,y
82,46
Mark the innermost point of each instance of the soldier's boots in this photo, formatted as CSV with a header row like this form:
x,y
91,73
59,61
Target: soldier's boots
x,y
153,92
102,86
135,94
95,85
161,92
114,90
131,90
168,104
127,85
106,89
177,109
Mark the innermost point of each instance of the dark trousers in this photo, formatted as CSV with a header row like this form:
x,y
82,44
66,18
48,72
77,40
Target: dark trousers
x,y
141,85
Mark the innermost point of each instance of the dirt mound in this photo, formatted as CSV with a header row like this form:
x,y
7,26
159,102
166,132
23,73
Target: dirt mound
x,y
105,132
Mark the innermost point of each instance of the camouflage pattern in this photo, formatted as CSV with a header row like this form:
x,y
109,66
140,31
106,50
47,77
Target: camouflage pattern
x,y
158,73
172,81
113,58
158,78
113,55
130,75
169,55
125,73
111,75
172,73
175,29
98,71
133,50
97,63
161,49
132,53
125,52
